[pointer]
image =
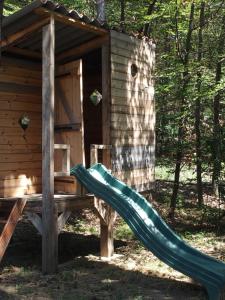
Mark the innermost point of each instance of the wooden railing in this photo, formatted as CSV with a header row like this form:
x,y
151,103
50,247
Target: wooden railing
x,y
65,159
94,151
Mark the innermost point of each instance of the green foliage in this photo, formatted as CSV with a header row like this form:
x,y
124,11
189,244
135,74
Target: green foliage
x,y
123,232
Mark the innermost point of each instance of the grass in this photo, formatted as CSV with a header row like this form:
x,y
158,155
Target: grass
x,y
188,173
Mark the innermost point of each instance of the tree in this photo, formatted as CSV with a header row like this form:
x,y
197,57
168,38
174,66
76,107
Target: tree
x,y
100,4
216,112
146,30
122,15
198,106
182,94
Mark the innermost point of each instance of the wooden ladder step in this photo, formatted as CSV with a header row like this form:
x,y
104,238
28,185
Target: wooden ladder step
x,y
10,225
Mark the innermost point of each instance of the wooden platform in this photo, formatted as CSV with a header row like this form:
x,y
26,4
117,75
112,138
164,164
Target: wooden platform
x,y
64,202
12,209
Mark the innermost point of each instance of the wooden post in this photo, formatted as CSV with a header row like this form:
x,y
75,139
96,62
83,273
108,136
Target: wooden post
x,y
106,97
107,248
106,240
49,210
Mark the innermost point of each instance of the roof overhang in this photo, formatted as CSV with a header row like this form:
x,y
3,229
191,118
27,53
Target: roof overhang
x,y
75,34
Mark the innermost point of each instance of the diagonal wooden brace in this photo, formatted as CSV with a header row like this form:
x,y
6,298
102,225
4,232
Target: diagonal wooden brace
x,y
10,225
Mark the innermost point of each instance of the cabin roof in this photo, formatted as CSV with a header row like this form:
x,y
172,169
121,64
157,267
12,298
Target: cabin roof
x,y
72,29
29,12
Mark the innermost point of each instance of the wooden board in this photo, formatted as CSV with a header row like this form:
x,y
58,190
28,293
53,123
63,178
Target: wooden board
x,y
126,157
132,110
69,109
20,151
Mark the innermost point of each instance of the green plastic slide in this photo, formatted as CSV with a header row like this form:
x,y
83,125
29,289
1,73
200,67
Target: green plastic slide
x,y
151,230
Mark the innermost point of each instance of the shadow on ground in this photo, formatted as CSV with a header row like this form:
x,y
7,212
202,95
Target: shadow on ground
x,y
26,251
88,278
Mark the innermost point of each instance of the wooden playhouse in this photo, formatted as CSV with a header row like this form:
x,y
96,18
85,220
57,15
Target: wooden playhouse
x,y
71,91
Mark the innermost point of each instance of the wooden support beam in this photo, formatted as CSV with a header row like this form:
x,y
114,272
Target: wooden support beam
x,y
35,220
24,52
70,21
106,240
15,37
62,219
83,49
49,208
107,219
106,102
105,213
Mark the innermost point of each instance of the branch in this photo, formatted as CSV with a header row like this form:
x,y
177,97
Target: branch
x,y
212,16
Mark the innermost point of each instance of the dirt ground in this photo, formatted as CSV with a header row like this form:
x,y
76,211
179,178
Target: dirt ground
x,y
133,272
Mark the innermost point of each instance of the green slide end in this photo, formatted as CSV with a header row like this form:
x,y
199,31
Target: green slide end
x,y
151,230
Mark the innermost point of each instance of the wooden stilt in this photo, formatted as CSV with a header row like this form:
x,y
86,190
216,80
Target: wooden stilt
x,y
106,240
105,213
49,208
107,246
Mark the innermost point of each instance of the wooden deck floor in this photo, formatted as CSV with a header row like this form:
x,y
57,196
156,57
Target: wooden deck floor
x,y
64,202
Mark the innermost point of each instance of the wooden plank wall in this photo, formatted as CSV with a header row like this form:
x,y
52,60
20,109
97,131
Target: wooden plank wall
x,y
20,155
132,110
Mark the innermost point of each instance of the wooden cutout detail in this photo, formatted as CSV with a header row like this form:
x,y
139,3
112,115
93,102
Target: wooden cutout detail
x,y
10,225
36,221
62,219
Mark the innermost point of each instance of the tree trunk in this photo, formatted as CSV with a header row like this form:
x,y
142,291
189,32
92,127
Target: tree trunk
x,y
151,7
216,115
198,108
185,81
100,5
122,15
216,134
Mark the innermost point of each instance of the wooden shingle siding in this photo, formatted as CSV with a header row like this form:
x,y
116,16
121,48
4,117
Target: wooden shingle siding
x,y
20,152
132,111
126,158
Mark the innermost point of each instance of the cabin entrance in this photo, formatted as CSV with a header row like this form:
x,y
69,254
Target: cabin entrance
x,y
78,122
68,121
92,112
